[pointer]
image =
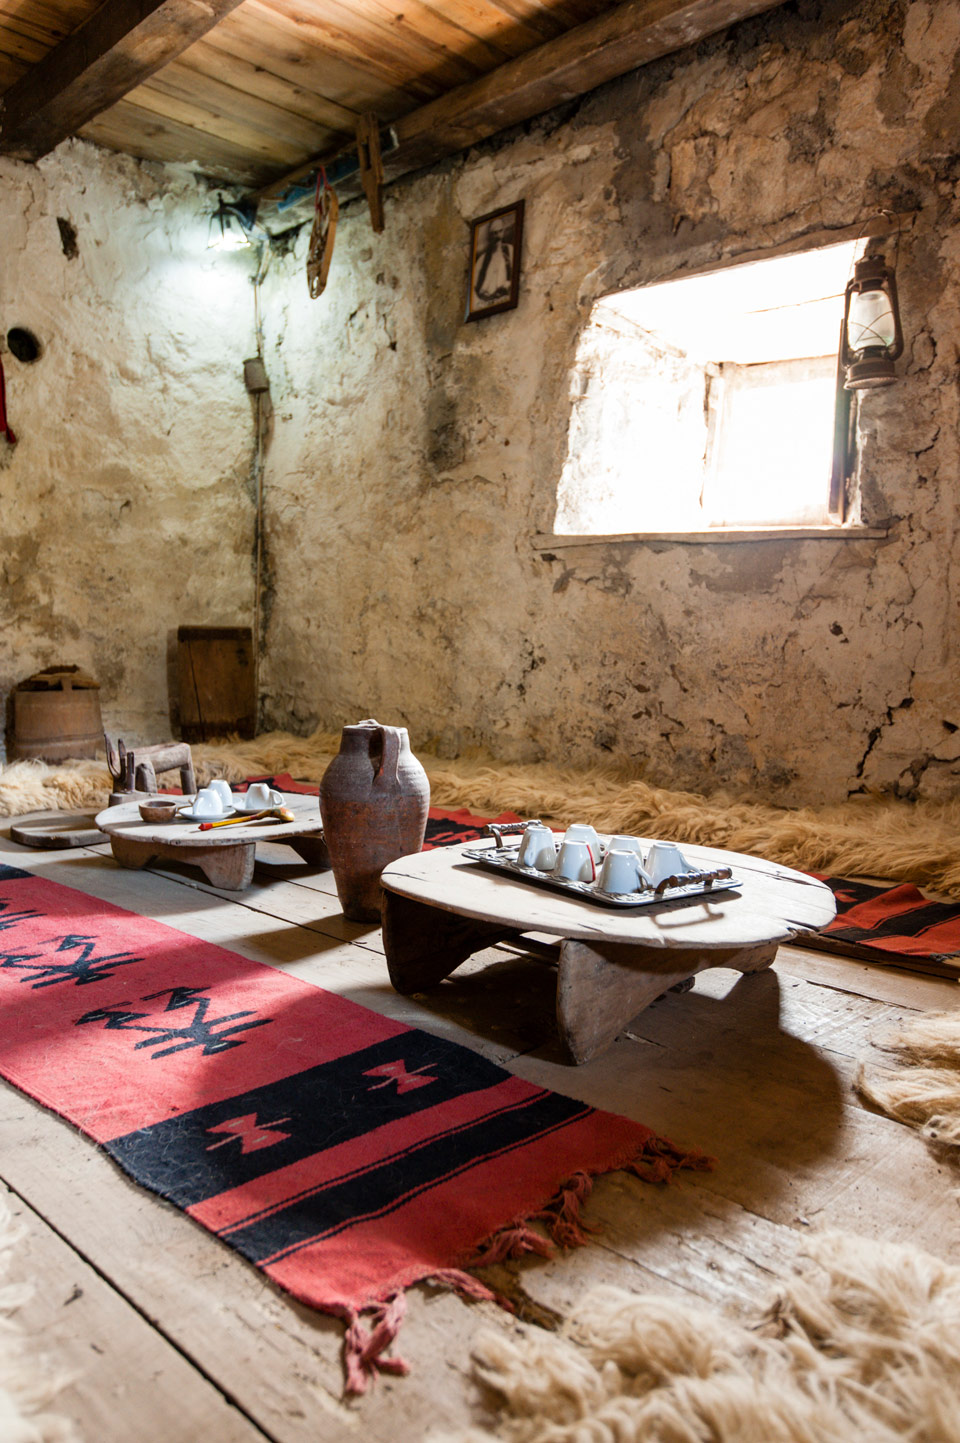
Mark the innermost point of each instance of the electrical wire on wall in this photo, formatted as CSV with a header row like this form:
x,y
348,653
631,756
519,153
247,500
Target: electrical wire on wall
x,y
257,383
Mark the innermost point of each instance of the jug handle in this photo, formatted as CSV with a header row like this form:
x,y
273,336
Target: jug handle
x,y
390,756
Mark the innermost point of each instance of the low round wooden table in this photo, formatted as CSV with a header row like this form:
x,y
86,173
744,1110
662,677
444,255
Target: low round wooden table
x,y
439,908
225,855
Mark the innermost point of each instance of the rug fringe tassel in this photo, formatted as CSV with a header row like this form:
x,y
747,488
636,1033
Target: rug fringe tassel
x,y
513,1241
365,1342
561,1216
661,1158
469,1287
371,1330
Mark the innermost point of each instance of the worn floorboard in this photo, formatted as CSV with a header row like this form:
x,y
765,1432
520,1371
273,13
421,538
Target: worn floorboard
x,y
156,1320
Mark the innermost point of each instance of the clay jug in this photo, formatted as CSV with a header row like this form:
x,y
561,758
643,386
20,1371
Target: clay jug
x,y
374,797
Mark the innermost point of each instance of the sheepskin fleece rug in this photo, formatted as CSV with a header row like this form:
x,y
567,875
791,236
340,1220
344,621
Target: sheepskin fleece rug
x,y
862,1347
865,837
922,1088
26,1383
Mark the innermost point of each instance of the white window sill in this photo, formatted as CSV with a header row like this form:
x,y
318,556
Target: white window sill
x,y
718,536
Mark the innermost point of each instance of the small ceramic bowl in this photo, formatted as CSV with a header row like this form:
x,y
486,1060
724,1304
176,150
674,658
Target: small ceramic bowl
x,y
158,809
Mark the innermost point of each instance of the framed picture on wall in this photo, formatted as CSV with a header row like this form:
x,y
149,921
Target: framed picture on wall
x,y
495,241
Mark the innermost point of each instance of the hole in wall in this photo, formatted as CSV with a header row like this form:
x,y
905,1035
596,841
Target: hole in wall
x,y
23,344
68,237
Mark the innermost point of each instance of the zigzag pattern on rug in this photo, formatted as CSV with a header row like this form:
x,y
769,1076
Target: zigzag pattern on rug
x,y
877,837
863,1345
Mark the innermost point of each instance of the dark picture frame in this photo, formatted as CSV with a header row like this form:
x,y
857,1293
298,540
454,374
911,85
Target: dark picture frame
x,y
496,241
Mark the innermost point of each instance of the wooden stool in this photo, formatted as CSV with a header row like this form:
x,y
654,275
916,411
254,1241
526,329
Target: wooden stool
x,y
136,771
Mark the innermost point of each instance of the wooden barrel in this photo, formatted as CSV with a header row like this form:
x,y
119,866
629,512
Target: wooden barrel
x,y
56,715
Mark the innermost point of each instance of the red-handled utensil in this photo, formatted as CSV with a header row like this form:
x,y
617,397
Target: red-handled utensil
x,y
282,814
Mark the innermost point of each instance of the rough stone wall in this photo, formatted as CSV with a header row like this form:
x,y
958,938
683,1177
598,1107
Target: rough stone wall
x,y
126,505
414,455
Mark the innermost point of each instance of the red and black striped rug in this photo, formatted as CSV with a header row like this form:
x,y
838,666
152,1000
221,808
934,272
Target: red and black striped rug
x,y
345,1154
896,925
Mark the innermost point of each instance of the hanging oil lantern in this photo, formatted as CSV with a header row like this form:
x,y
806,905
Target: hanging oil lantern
x,y
872,334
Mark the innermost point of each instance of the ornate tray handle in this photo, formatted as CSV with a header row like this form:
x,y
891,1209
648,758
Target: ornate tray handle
x,y
499,830
693,879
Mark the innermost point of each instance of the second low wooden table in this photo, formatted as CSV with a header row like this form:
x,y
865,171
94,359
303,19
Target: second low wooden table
x,y
439,908
225,855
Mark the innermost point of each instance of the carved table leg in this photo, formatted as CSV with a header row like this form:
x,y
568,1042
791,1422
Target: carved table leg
x,y
425,944
313,850
227,867
131,853
748,959
601,986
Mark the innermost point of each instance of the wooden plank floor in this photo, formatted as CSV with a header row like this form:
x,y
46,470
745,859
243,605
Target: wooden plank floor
x,y
167,1334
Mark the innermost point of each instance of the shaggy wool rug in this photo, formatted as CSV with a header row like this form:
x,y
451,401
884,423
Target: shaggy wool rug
x,y
922,1087
27,1384
861,1346
865,837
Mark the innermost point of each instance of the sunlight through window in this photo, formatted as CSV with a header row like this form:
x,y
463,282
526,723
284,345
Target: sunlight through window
x,y
708,402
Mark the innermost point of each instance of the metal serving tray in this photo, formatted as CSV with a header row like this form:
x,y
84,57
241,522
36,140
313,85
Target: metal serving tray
x,y
688,886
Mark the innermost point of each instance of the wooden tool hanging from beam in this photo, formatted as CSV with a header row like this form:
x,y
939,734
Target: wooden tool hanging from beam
x,y
326,208
371,166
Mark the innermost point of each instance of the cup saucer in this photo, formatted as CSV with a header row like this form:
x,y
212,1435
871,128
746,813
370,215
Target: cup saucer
x,y
187,814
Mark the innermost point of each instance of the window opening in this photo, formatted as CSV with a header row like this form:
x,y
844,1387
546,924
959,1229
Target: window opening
x,y
713,401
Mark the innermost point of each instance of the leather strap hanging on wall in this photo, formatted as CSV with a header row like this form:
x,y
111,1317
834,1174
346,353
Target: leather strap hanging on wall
x,y
371,167
5,428
326,208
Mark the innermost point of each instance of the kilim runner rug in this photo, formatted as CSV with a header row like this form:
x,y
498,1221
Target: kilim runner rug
x,y
347,1155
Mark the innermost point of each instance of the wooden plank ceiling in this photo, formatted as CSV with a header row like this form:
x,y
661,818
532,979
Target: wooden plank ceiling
x,y
254,91
278,81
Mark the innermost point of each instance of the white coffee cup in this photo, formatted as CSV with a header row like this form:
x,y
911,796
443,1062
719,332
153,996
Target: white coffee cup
x,y
665,859
622,843
582,832
621,871
259,795
576,861
538,849
223,791
208,803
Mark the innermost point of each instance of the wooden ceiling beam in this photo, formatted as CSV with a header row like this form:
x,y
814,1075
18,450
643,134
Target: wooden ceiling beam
x,y
620,40
123,43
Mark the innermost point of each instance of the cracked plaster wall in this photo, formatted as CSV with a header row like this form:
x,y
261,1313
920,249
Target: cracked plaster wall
x,y
414,456
126,506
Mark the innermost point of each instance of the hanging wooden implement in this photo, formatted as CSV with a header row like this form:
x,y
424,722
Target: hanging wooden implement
x,y
371,166
326,208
